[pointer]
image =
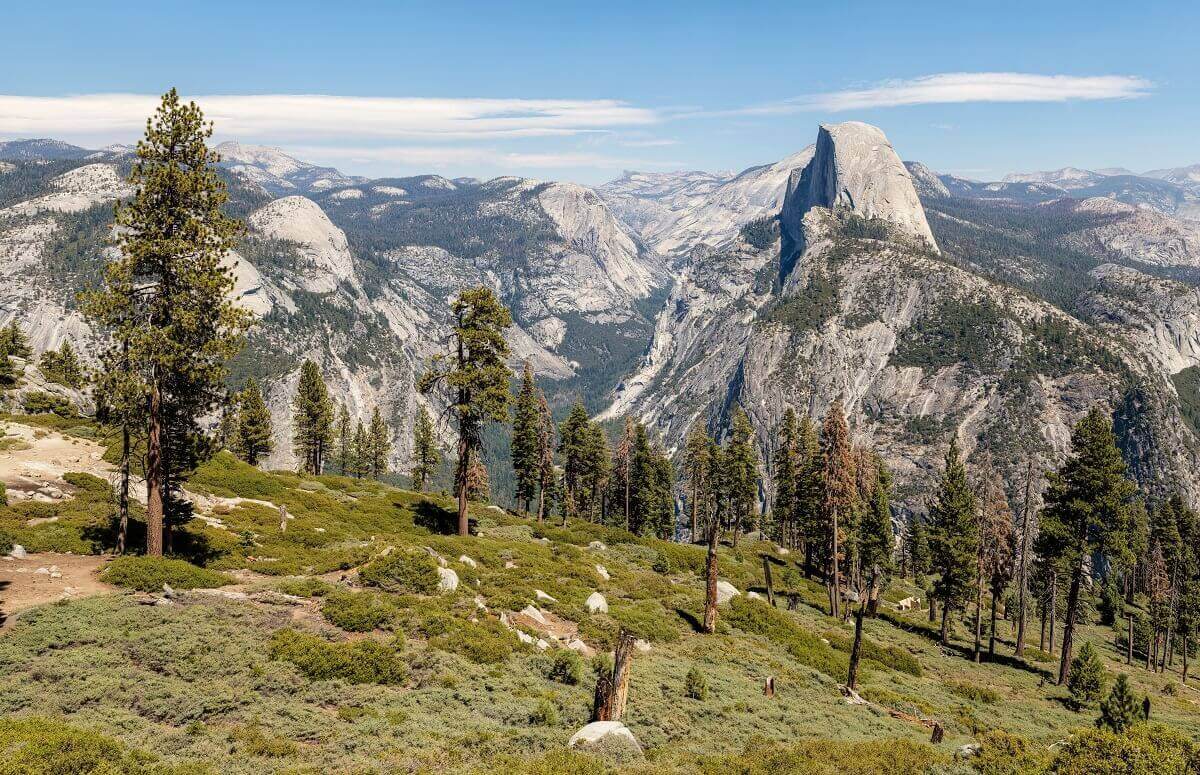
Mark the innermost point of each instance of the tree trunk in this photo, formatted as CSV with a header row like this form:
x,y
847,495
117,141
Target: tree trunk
x,y
767,576
1064,667
932,609
1053,610
1023,575
1042,637
945,623
612,690
1129,645
464,464
835,590
541,503
710,575
154,473
992,639
123,490
1185,658
695,512
856,648
978,618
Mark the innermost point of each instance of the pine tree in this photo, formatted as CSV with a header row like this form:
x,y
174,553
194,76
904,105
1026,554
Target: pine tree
x,y
524,449
696,454
838,493
165,297
995,552
916,548
642,479
953,539
343,434
1121,709
622,470
547,477
572,447
596,471
877,539
715,503
253,424
1087,511
810,489
426,457
1086,680
379,442
743,477
63,366
13,342
312,419
476,375
783,510
8,372
360,467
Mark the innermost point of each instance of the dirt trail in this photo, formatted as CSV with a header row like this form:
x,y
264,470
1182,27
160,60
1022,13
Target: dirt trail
x,y
22,586
33,460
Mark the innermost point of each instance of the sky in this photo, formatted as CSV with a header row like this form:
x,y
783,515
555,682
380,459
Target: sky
x,y
582,91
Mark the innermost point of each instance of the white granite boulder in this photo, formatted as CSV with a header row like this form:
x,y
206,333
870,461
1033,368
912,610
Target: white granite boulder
x,y
596,603
726,592
447,580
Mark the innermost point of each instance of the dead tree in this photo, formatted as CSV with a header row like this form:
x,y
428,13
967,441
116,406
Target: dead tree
x,y
856,649
767,576
612,688
283,519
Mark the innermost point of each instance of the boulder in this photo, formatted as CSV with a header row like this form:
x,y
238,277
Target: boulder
x,y
641,645
18,552
42,571
524,637
603,572
465,560
752,595
579,647
509,565
447,580
597,546
726,592
596,603
533,613
167,591
540,595
609,739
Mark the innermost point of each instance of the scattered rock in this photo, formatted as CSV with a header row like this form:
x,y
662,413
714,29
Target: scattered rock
x,y
524,637
578,646
726,592
164,601
596,603
18,552
641,645
603,572
967,751
447,580
533,613
480,603
542,644
609,739
167,591
597,546
751,595
42,571
465,560
55,574
540,595
782,551
509,565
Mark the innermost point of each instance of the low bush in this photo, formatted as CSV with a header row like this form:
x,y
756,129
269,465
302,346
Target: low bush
x,y
1001,753
819,757
1145,749
38,402
41,746
648,620
567,667
360,662
304,587
150,573
973,692
486,642
251,740
545,714
406,572
358,611
756,617
6,542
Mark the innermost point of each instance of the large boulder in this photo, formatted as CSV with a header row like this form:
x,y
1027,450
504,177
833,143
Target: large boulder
x,y
608,739
596,603
447,580
726,592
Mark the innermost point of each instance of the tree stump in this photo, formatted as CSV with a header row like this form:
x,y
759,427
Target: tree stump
x,y
938,733
769,686
612,689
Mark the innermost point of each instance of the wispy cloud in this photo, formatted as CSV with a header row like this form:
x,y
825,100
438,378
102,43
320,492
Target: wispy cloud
x,y
106,117
450,156
943,88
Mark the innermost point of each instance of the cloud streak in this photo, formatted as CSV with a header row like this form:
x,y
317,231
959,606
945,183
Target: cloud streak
x,y
281,117
948,88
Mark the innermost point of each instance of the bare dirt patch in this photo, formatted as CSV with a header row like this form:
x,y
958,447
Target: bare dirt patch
x,y
33,461
65,577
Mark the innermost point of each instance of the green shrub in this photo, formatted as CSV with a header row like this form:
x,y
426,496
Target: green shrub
x,y
304,587
662,564
150,573
251,740
1086,681
407,572
974,692
567,667
1145,749
41,746
486,642
888,656
1003,754
695,685
822,757
545,714
756,617
360,662
6,542
358,611
38,402
648,620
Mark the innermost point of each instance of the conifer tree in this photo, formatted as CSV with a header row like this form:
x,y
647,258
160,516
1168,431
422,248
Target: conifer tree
x,y
343,435
1087,511
715,508
479,486
547,477
63,366
426,457
696,464
877,539
312,419
742,479
379,444
361,459
995,552
1121,709
1086,680
8,372
253,424
953,539
165,296
524,449
476,375
810,513
622,469
838,493
596,471
13,342
784,509
916,548
572,447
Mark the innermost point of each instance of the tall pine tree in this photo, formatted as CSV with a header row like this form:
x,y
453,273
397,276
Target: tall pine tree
x,y
379,445
572,447
953,539
524,449
312,419
696,454
839,489
253,434
784,509
742,479
426,457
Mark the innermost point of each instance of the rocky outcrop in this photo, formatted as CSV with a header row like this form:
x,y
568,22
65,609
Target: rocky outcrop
x,y
324,259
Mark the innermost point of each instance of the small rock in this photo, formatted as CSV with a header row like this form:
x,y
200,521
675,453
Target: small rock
x,y
447,580
533,613
55,574
782,551
18,552
542,644
544,541
540,595
603,572
42,571
465,560
725,592
319,529
967,751
580,647
752,595
167,591
480,602
524,637
54,569
597,546
509,565
641,645
164,601
596,603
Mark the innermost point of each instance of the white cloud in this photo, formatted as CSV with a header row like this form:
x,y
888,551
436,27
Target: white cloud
x,y
964,87
444,156
101,118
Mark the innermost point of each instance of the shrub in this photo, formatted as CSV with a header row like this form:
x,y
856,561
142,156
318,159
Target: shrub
x,y
567,667
662,564
486,642
408,572
38,402
1121,709
974,692
250,739
41,746
1003,754
889,656
648,620
360,662
756,617
6,542
1145,749
1086,681
358,611
695,685
304,587
545,714
148,574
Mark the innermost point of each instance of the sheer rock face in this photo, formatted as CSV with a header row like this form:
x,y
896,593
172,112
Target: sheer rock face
x,y
855,168
325,256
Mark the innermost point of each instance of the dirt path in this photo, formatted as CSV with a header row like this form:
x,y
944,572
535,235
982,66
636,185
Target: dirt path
x,y
33,460
66,576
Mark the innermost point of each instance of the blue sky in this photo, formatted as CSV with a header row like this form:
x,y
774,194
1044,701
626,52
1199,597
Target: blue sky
x,y
583,90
